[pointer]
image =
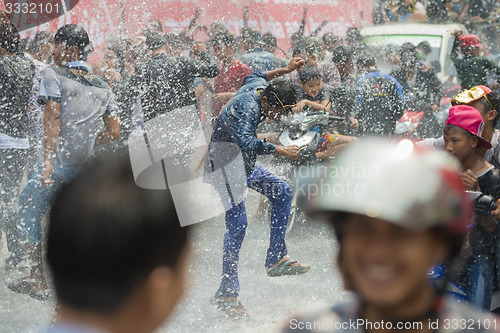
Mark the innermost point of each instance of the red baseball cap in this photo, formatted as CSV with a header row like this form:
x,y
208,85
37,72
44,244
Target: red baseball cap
x,y
469,119
470,40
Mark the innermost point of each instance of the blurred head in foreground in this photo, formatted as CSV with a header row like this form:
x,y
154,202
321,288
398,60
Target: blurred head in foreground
x,y
397,211
116,252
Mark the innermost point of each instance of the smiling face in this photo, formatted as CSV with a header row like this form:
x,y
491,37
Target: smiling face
x,y
386,264
312,87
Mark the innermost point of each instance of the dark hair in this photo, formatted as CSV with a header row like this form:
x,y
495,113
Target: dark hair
x,y
172,39
40,39
74,35
24,44
106,235
450,126
366,61
330,37
353,35
284,90
155,41
341,55
494,98
425,46
298,49
9,38
308,73
153,26
407,47
224,38
269,39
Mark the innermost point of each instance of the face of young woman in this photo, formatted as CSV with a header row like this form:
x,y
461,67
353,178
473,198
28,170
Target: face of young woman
x,y
386,264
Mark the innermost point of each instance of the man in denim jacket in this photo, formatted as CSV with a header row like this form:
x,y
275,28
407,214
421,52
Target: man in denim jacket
x,y
236,128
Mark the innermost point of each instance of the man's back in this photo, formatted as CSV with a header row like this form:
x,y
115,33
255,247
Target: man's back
x,y
380,103
167,82
473,71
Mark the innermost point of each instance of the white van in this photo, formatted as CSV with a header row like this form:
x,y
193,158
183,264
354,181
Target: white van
x,y
439,37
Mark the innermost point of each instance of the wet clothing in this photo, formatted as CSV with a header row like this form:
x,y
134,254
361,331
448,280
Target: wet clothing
x,y
230,79
259,60
237,124
324,94
71,328
471,70
436,11
239,120
84,99
345,318
16,81
380,103
166,83
422,91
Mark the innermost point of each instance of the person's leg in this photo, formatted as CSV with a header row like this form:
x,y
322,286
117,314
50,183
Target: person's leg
x,y
13,162
236,224
481,270
279,194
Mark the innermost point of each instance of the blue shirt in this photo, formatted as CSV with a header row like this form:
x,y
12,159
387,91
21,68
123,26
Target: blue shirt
x,y
259,60
238,122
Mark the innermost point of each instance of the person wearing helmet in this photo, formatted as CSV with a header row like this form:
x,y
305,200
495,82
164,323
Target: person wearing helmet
x,y
405,212
462,139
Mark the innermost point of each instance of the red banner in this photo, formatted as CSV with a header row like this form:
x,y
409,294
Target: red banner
x,y
107,18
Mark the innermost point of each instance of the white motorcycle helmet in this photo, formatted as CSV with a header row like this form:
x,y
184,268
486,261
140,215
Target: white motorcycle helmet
x,y
398,182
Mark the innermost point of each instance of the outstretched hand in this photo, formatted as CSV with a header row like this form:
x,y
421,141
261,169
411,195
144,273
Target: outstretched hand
x,y
295,64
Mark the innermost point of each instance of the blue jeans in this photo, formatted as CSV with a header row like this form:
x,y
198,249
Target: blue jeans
x,y
279,194
34,201
481,275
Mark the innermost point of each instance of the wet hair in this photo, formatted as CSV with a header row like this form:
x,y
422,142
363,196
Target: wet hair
x,y
298,49
172,39
269,40
309,73
424,45
366,61
153,26
353,35
407,47
9,38
74,35
106,235
224,38
284,90
155,41
329,37
24,44
341,55
451,126
40,39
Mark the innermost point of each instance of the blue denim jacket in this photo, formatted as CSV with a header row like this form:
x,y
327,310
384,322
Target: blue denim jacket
x,y
238,122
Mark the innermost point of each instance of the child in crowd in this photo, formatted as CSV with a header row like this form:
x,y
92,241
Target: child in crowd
x,y
463,139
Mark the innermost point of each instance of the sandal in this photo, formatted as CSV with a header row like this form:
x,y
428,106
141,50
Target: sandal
x,y
287,267
231,308
27,287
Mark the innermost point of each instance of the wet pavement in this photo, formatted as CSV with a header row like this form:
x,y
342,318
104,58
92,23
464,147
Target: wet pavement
x,y
270,301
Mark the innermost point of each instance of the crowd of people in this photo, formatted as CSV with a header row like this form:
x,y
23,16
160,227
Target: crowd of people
x,y
57,112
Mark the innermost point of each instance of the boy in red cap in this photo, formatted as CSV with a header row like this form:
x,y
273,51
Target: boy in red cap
x,y
473,69
463,138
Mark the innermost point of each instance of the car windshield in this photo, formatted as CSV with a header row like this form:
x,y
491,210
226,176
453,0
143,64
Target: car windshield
x,y
380,44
